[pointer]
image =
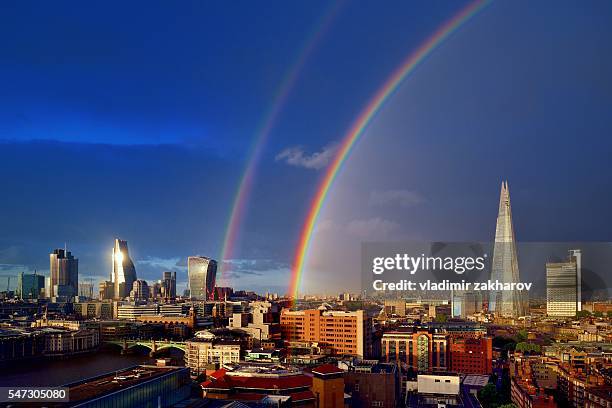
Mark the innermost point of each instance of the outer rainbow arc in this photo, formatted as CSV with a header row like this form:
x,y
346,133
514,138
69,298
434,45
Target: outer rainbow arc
x,y
360,124
245,186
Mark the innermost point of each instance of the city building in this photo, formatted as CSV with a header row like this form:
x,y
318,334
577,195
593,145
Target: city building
x,y
141,386
94,310
64,274
422,349
505,269
29,285
563,286
328,386
140,290
471,355
395,307
168,285
274,385
344,333
62,342
207,351
106,290
372,384
123,272
86,290
438,390
202,273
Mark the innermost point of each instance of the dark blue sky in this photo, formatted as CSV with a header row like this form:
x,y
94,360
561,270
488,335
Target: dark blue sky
x,y
135,120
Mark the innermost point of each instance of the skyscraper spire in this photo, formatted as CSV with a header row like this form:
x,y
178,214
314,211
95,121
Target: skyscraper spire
x,y
505,263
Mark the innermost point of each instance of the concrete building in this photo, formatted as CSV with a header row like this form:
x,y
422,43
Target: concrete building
x,y
372,384
563,298
344,333
395,307
202,273
328,386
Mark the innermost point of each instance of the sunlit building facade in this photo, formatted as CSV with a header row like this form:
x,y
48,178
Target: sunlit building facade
x,y
123,272
64,274
563,286
202,273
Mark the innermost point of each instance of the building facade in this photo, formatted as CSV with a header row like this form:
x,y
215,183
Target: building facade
x,y
505,269
63,274
123,272
202,273
345,333
563,286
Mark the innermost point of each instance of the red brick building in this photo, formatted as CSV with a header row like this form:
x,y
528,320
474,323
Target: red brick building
x,y
471,355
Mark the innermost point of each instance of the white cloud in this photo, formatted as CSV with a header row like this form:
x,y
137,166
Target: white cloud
x,y
295,156
403,198
373,229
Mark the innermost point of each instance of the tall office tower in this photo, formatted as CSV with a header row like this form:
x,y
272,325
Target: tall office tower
x,y
169,285
140,290
202,274
123,273
64,274
29,285
106,290
563,286
509,303
86,290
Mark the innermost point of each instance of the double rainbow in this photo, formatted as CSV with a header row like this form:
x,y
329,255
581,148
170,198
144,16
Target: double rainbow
x,y
358,127
239,205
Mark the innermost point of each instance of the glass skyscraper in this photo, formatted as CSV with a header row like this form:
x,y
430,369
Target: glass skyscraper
x,y
505,269
202,273
123,272
64,274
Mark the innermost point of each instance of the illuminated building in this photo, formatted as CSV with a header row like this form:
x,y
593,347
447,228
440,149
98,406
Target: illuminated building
x,y
345,333
64,274
123,272
202,272
563,286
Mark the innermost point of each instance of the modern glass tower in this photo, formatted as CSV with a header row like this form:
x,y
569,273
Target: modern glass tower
x,y
123,272
64,274
202,273
505,269
563,286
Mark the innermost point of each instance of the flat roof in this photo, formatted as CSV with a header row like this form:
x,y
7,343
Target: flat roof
x,y
116,381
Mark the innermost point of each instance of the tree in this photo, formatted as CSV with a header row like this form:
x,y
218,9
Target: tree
x,y
441,318
488,396
598,314
528,347
582,314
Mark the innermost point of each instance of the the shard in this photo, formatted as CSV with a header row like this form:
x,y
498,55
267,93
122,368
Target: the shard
x,y
505,269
